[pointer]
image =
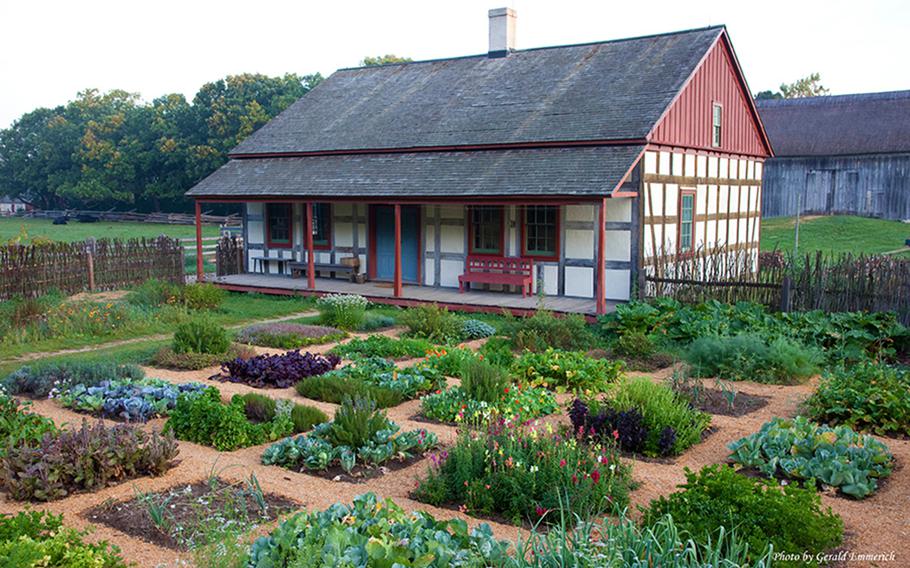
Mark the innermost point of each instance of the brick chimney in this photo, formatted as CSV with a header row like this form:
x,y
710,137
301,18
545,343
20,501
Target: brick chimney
x,y
502,31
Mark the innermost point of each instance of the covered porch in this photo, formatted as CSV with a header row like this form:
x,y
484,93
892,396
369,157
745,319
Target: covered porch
x,y
385,293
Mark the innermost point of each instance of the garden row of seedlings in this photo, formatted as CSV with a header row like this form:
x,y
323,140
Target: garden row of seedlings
x,y
509,463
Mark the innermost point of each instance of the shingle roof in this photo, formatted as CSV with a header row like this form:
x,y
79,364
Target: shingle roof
x,y
577,171
600,91
838,125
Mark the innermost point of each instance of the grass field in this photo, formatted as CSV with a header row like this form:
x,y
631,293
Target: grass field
x,y
836,234
10,228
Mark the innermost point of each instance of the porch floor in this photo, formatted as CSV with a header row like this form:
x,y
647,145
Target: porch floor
x,y
383,293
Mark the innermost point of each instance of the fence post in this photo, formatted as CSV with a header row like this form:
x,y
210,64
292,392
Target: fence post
x,y
90,261
785,294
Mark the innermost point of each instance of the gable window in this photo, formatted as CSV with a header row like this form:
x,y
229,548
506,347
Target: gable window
x,y
686,219
486,230
716,114
541,231
322,225
279,225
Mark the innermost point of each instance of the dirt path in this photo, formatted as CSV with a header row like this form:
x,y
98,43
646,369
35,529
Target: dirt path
x,y
878,524
144,338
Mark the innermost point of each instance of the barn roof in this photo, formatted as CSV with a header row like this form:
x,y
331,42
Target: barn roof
x,y
598,91
569,120
872,123
512,172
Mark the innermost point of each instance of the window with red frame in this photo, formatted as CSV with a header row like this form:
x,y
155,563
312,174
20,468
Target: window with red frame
x,y
322,225
686,220
541,231
279,224
486,230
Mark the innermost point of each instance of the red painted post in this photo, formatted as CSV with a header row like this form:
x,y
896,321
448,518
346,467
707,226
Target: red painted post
x,y
397,283
200,273
310,253
601,288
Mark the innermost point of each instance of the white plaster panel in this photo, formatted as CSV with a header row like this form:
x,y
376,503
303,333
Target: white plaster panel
x,y
734,168
724,172
712,199
451,239
617,245
698,238
550,280
742,231
449,272
650,162
653,202
256,232
701,192
712,167
672,199
711,234
663,166
430,238
690,165
620,210
343,234
361,234
429,272
579,244
323,257
758,170
670,238
580,212
617,284
722,232
580,281
677,164
701,166
724,198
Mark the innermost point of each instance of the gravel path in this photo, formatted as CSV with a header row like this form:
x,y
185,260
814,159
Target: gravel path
x,y
879,524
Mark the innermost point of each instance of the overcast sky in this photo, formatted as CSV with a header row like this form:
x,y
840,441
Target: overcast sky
x,y
51,50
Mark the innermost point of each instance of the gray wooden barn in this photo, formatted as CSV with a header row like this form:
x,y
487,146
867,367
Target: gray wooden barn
x,y
846,154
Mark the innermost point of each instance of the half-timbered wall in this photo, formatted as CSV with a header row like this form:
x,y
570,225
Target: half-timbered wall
x,y
727,202
445,245
348,236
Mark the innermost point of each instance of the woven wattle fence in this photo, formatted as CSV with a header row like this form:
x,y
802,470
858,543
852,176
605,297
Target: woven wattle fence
x,y
33,270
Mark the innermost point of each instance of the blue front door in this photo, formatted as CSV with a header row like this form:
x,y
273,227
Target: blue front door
x,y
384,219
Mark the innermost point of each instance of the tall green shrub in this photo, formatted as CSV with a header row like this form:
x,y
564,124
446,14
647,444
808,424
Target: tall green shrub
x,y
201,335
761,512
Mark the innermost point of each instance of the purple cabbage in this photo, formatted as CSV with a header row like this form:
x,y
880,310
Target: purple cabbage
x,y
277,371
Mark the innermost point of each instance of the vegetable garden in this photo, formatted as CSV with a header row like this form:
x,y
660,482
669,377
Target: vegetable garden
x,y
684,435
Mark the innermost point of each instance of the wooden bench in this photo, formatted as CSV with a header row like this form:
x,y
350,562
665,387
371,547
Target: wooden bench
x,y
498,270
348,267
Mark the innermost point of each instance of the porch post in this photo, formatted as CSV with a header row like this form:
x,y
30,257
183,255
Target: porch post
x,y
397,283
200,273
601,288
310,255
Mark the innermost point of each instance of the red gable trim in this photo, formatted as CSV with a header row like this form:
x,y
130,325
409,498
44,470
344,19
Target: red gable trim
x,y
722,42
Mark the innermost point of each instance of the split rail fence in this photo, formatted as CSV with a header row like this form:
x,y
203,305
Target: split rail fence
x,y
33,270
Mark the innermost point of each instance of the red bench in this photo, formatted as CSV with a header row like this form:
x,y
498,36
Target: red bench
x,y
498,270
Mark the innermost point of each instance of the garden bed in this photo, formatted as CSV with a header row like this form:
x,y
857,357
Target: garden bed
x,y
714,401
183,506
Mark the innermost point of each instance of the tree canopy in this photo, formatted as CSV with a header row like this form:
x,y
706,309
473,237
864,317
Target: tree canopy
x,y
112,149
370,61
808,86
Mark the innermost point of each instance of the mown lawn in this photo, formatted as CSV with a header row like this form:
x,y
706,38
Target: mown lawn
x,y
835,234
10,228
238,308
